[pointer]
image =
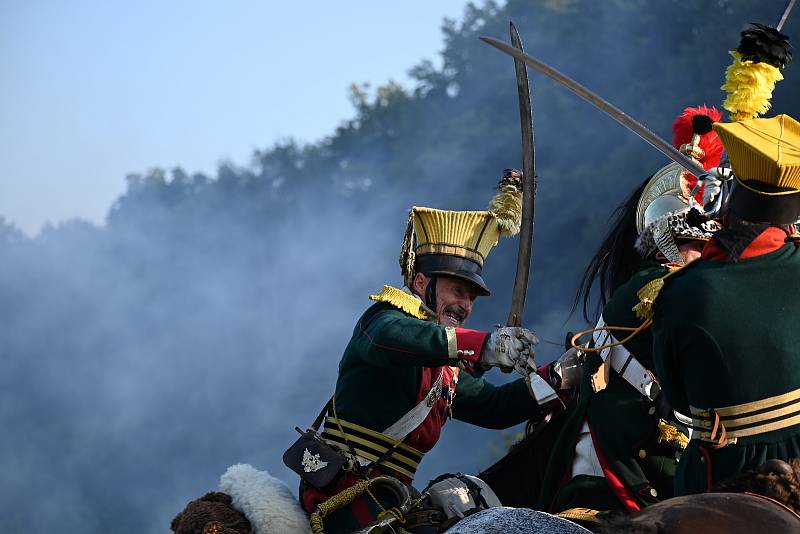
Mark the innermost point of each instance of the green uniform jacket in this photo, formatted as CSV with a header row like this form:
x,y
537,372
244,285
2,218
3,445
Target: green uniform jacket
x,y
639,467
726,333
385,364
389,365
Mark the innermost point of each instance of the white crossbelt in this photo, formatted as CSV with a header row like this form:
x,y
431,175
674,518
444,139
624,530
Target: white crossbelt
x,y
414,417
624,363
541,390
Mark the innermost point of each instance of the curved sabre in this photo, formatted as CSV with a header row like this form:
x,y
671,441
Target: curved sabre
x,y
614,112
520,290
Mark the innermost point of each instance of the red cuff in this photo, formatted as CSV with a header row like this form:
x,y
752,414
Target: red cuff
x,y
469,343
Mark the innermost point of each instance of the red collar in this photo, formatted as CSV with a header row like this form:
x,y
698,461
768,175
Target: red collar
x,y
768,241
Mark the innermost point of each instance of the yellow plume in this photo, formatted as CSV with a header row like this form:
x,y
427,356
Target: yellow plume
x,y
506,206
749,86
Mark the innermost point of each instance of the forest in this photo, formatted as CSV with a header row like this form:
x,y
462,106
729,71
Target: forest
x,y
206,317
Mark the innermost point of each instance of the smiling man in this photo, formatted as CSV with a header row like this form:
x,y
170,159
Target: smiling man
x,y
410,365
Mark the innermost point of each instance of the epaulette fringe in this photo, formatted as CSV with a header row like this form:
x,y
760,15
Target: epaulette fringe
x,y
667,433
403,301
650,291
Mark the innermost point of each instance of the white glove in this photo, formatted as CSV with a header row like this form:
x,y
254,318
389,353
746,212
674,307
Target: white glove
x,y
510,347
711,188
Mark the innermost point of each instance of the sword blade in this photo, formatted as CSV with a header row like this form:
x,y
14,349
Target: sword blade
x,y
520,290
785,15
612,111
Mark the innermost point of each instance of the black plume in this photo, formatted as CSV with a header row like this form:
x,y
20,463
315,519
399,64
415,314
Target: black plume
x,y
764,44
701,124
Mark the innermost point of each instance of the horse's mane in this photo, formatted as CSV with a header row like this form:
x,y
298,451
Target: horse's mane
x,y
616,258
782,486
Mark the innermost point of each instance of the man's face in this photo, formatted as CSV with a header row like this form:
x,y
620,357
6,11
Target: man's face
x,y
691,249
454,298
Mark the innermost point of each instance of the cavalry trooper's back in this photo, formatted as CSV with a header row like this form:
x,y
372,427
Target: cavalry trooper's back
x,y
726,342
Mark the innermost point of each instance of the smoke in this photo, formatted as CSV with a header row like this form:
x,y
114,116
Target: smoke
x,y
206,318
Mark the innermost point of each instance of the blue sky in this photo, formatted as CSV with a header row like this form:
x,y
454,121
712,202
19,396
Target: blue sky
x,y
91,90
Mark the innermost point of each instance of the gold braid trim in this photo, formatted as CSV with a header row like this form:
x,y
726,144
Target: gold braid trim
x,y
669,434
587,515
403,301
336,502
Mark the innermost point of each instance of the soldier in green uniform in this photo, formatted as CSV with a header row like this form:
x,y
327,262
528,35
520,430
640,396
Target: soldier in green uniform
x,y
410,365
617,449
725,336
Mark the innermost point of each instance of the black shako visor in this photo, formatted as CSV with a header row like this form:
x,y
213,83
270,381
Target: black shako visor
x,y
456,266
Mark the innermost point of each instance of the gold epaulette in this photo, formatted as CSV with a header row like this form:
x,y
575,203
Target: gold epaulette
x,y
403,301
649,293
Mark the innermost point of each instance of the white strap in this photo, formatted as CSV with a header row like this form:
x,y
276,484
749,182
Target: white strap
x,y
540,389
417,414
624,363
685,420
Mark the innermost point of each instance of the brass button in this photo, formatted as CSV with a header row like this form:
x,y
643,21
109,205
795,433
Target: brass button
x,y
653,492
642,453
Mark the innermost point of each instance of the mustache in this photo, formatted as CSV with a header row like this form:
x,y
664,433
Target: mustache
x,y
455,309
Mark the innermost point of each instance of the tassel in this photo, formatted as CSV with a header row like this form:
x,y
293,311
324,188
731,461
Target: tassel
x,y
506,206
749,86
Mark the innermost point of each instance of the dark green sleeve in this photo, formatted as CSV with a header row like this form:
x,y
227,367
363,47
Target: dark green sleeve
x,y
391,338
483,404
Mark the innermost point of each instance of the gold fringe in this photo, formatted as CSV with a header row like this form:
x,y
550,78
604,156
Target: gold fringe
x,y
749,86
650,291
506,206
403,301
669,434
647,297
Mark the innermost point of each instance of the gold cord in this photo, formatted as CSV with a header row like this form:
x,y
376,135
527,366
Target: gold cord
x,y
633,332
341,499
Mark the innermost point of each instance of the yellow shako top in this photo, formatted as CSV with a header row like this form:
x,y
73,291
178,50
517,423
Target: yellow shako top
x,y
456,243
765,157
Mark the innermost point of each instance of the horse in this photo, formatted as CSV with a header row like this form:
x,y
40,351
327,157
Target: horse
x,y
766,498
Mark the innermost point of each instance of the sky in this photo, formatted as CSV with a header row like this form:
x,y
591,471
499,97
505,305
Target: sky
x,y
93,90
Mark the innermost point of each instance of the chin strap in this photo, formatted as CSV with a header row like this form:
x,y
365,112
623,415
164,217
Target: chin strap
x,y
430,293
